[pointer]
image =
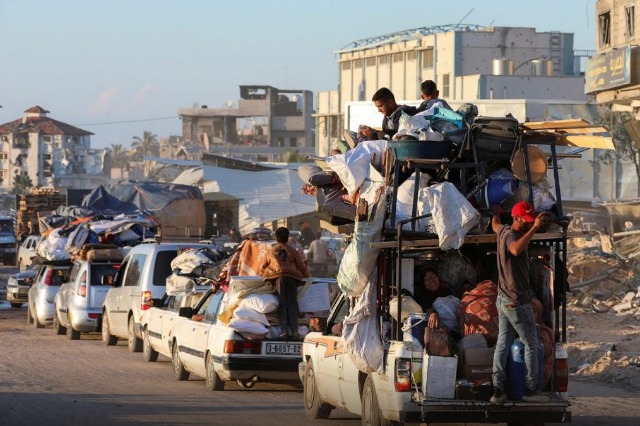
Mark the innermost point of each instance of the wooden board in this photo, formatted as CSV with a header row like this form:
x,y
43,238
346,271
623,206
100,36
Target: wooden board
x,y
586,141
555,124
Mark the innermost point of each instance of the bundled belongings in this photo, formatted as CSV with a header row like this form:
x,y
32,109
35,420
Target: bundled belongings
x,y
328,190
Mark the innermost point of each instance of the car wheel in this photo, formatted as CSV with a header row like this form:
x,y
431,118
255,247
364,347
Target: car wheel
x,y
108,339
71,333
371,414
133,342
179,371
212,380
314,406
16,305
150,354
29,316
36,322
57,327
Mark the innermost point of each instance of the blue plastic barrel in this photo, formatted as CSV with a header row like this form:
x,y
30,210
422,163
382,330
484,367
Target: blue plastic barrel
x,y
517,372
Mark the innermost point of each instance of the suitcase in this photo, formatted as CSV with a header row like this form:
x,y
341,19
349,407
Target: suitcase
x,y
495,138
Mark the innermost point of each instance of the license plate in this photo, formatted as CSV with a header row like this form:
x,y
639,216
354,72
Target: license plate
x,y
284,348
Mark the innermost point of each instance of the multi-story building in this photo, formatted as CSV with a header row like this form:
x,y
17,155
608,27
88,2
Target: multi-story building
x,y
267,123
613,72
51,153
467,63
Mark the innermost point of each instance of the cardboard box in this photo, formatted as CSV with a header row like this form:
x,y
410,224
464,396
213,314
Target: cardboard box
x,y
439,376
476,363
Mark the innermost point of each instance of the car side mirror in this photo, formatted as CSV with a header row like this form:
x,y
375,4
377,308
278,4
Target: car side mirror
x,y
186,312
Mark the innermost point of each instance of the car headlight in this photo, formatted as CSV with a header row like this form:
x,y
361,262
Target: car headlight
x,y
12,282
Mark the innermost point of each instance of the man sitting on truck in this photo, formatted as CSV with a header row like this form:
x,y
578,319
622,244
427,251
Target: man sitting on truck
x,y
385,101
515,312
429,94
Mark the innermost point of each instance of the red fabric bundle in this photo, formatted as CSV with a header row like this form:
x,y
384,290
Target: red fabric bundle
x,y
477,312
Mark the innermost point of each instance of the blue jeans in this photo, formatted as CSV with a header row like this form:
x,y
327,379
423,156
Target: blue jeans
x,y
515,319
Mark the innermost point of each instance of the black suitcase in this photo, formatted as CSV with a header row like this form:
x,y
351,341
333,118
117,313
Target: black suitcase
x,y
495,138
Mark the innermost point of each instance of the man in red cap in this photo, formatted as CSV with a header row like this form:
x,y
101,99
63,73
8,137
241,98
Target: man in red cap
x,y
514,297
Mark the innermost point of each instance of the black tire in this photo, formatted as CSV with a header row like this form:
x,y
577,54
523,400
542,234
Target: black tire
x,y
212,380
314,406
72,334
179,371
108,339
36,322
58,328
133,342
16,305
29,316
149,354
371,414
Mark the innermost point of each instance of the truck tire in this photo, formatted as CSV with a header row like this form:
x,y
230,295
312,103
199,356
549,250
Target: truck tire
x,y
133,342
212,380
179,372
314,406
58,328
108,339
371,414
149,354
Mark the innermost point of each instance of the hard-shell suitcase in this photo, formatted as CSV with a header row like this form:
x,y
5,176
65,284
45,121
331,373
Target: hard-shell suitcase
x,y
495,138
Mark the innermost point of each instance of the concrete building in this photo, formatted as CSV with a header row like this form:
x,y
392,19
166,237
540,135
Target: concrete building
x,y
267,123
467,63
51,153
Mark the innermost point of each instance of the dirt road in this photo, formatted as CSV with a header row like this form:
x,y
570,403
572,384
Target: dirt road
x,y
49,380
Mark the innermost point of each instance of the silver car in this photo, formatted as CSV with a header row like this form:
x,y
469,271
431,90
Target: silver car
x,y
43,292
78,304
18,286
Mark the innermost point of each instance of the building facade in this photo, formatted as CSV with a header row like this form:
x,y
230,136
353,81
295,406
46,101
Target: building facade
x,y
467,63
49,152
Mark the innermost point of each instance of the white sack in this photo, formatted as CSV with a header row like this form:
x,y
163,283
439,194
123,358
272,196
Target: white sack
x,y
177,284
404,203
53,246
361,333
447,309
187,261
263,303
358,262
352,167
246,326
452,215
246,313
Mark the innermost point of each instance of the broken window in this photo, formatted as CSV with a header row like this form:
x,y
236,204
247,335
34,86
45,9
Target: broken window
x,y
630,19
604,29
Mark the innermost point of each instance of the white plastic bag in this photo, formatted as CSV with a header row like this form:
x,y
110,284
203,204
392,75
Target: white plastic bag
x,y
263,303
246,313
447,309
247,326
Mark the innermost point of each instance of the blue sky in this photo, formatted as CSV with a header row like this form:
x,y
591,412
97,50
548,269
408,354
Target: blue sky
x,y
97,62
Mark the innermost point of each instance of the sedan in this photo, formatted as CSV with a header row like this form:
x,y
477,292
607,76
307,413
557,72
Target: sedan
x,y
18,286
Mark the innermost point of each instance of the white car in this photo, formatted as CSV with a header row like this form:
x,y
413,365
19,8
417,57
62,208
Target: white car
x,y
210,349
27,251
157,322
141,278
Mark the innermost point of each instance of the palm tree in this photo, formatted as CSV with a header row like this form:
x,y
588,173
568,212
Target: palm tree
x,y
119,157
21,185
147,144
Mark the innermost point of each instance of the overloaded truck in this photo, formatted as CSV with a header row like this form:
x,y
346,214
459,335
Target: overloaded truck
x,y
425,206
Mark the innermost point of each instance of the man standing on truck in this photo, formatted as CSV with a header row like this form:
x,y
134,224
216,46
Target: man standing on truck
x,y
514,297
284,269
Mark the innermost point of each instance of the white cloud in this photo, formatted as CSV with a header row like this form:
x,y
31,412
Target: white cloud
x,y
141,95
104,101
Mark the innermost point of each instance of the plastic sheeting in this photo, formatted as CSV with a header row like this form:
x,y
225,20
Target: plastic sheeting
x,y
353,167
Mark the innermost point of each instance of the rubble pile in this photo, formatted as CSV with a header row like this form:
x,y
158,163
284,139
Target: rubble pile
x,y
604,318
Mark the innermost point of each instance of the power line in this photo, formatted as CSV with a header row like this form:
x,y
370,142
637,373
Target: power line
x,y
127,121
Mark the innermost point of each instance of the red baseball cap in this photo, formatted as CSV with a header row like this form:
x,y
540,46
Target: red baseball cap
x,y
524,210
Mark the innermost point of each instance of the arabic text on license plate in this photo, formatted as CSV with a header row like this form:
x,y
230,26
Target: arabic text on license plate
x,y
284,348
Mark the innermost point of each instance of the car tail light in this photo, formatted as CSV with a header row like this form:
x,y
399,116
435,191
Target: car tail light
x,y
94,316
48,277
403,375
242,347
145,300
562,374
82,291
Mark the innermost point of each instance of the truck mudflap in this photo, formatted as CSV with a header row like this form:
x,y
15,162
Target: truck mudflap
x,y
457,411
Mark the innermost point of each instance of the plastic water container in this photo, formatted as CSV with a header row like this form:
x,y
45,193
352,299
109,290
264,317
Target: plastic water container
x,y
408,305
517,372
413,331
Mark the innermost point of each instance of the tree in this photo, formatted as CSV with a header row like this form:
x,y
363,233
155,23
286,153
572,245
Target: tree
x,y
145,145
21,185
119,157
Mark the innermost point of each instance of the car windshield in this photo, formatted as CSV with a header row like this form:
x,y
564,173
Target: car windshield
x,y
6,227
